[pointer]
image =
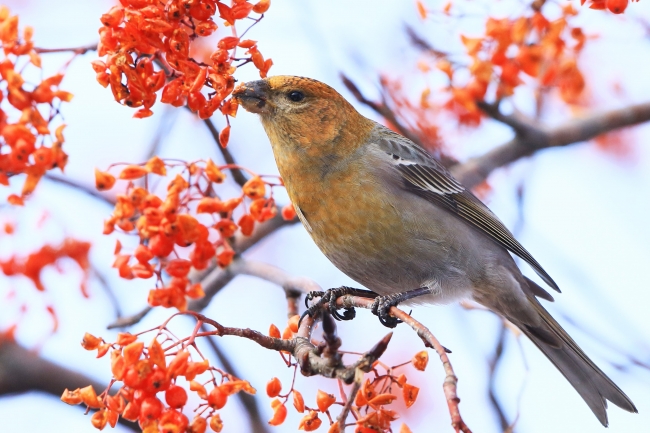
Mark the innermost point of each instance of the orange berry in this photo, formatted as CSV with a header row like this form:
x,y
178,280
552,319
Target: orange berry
x,y
132,352
334,428
254,188
131,411
382,399
178,267
176,396
261,6
279,413
273,332
156,354
215,421
71,397
224,136
90,342
131,172
246,224
420,360
310,422
288,212
157,166
117,365
89,397
410,394
99,419
298,401
293,323
324,400
104,180
213,173
217,399
124,338
273,387
198,425
617,6
199,389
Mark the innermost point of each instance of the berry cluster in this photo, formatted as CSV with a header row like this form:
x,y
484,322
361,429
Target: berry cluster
x,y
148,47
185,229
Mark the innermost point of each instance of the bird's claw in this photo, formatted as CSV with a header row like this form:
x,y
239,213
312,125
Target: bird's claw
x,y
381,308
329,297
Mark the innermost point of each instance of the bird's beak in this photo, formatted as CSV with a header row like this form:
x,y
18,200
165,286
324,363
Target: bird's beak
x,y
253,96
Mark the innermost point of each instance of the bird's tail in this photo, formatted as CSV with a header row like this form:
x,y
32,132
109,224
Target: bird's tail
x,y
590,382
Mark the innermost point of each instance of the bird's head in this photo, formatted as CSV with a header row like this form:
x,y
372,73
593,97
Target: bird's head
x,y
300,111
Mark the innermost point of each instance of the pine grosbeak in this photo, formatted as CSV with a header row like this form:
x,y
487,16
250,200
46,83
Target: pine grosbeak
x,y
394,219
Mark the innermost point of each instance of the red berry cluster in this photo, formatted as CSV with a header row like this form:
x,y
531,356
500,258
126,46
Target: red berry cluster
x,y
148,47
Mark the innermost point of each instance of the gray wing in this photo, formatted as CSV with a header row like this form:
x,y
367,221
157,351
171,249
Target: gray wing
x,y
426,177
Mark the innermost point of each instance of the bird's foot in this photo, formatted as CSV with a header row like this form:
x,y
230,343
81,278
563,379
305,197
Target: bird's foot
x,y
382,305
329,297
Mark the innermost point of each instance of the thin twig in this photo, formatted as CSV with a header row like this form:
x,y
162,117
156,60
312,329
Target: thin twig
x,y
237,175
75,50
247,400
356,386
67,182
492,364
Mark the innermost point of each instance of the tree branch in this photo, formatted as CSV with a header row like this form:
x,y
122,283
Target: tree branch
x,y
67,182
476,170
75,50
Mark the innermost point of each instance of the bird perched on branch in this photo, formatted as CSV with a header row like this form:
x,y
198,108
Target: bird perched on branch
x,y
394,219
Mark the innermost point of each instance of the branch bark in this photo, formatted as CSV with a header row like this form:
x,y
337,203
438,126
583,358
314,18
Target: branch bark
x,y
476,170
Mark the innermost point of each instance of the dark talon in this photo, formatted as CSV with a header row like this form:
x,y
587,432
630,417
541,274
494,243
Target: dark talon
x,y
382,305
312,295
330,296
381,308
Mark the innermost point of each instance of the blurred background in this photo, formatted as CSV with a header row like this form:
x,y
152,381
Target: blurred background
x,y
581,210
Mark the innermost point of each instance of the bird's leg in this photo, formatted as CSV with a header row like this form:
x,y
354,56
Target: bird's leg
x,y
382,305
329,297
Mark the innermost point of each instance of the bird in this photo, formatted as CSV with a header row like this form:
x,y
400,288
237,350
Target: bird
x,y
394,219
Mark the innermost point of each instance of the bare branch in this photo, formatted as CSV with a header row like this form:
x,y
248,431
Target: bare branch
x,y
422,44
476,170
519,123
123,322
75,50
67,182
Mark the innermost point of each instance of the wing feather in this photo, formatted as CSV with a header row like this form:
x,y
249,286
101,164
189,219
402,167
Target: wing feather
x,y
426,177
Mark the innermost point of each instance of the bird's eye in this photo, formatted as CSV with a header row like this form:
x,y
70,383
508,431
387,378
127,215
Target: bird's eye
x,y
296,96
